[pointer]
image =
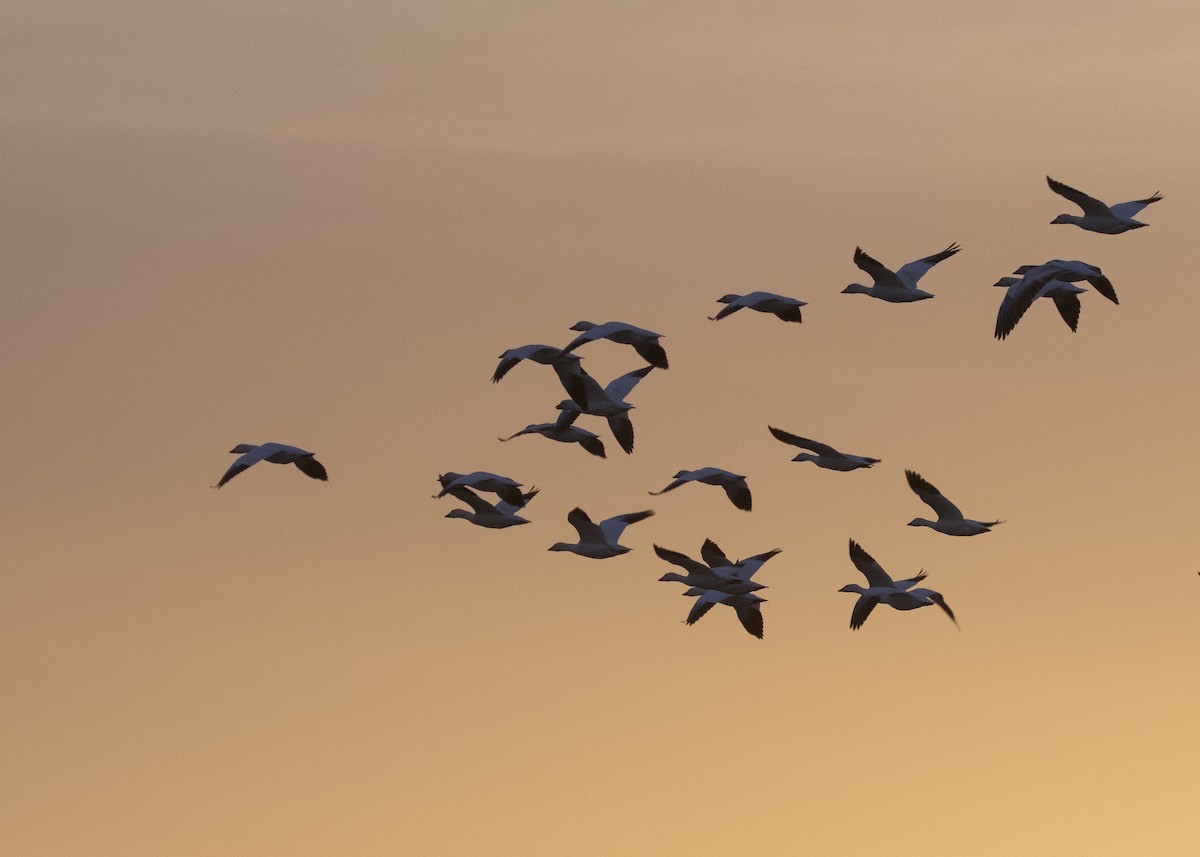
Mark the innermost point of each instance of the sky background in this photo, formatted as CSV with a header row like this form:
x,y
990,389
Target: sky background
x,y
320,224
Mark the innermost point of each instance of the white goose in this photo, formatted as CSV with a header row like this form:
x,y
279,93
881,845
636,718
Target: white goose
x,y
495,516
725,577
508,490
276,453
566,366
564,431
896,286
1097,216
747,606
826,456
786,309
950,520
599,541
1023,291
735,486
644,342
881,589
610,403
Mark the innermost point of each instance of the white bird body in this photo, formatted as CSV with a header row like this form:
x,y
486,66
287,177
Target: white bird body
x,y
610,403
895,286
564,431
898,594
1052,280
950,520
826,456
599,541
495,516
784,308
644,342
1097,216
508,490
746,605
728,578
735,486
275,453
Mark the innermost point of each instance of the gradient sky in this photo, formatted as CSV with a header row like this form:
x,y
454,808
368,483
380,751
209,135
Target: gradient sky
x,y
320,224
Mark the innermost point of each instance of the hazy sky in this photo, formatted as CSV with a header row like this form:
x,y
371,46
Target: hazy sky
x,y
320,224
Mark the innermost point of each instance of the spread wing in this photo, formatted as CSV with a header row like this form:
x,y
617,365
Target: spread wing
x,y
932,497
803,442
1129,209
913,271
872,570
613,527
882,276
1089,204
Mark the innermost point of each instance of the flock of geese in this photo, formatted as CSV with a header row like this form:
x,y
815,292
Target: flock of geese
x,y
715,578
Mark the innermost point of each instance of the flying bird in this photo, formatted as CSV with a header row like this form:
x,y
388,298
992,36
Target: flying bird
x,y
896,286
786,309
747,606
508,490
881,589
564,431
735,486
644,342
610,403
950,520
566,366
725,577
1098,217
1054,280
276,453
826,456
599,541
495,516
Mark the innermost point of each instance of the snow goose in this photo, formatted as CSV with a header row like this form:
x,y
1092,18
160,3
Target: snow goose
x,y
481,480
599,541
881,589
735,486
1073,271
276,453
896,286
495,516
787,309
1023,291
564,431
610,403
644,342
1098,217
826,456
747,606
566,366
725,577
950,520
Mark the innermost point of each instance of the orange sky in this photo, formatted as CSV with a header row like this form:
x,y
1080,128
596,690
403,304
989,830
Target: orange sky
x,y
320,224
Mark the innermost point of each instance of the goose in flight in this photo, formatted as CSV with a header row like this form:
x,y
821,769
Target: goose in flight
x,y
495,516
747,606
826,456
599,541
276,453
896,286
1021,294
566,366
1098,217
950,520
725,577
1054,280
508,490
786,309
735,486
564,431
610,403
644,342
881,589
